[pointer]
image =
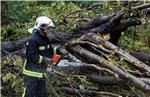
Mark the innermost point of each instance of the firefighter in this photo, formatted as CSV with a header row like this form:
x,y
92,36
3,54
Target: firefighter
x,y
38,55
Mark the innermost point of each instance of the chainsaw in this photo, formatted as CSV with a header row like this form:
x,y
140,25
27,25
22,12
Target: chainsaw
x,y
66,65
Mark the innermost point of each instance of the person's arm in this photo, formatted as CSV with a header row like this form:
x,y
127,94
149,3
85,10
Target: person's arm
x,y
56,50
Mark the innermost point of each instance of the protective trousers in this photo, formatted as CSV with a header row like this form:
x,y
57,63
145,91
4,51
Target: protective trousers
x,y
34,87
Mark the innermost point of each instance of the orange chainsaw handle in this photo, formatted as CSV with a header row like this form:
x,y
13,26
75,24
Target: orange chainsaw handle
x,y
55,58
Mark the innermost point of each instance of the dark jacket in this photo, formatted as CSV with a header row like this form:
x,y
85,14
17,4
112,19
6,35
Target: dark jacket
x,y
38,50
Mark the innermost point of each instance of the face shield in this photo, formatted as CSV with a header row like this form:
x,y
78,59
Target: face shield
x,y
48,29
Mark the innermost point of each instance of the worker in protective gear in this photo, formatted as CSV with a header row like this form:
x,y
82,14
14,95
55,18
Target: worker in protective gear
x,y
39,54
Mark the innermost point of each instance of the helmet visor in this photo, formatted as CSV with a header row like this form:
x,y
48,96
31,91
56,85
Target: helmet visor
x,y
48,29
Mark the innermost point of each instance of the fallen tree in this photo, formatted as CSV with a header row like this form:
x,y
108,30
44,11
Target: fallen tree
x,y
87,45
18,47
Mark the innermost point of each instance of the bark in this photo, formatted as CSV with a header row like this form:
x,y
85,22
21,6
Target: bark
x,y
108,80
140,7
18,48
89,92
12,46
147,11
103,19
143,56
111,80
127,56
94,23
112,24
122,73
115,29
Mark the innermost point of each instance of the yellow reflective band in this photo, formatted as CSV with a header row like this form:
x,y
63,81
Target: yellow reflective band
x,y
31,73
34,74
24,92
24,64
48,46
40,59
55,48
42,48
27,43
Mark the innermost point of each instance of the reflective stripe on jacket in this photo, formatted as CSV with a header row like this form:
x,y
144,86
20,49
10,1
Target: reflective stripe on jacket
x,y
38,47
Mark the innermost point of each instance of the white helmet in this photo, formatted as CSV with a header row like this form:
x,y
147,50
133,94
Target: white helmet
x,y
42,22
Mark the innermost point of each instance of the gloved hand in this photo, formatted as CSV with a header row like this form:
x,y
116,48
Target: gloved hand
x,y
56,58
47,60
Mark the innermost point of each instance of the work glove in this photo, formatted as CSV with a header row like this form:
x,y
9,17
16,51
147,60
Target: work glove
x,y
55,58
50,62
47,60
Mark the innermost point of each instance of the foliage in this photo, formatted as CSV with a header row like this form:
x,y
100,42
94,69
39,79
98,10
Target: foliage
x,y
12,76
23,14
135,38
